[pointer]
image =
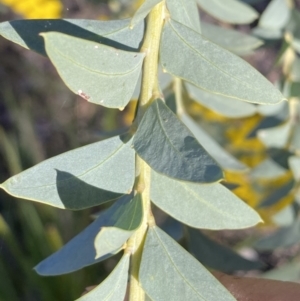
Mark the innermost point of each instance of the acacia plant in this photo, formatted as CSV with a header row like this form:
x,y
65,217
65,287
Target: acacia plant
x,y
164,158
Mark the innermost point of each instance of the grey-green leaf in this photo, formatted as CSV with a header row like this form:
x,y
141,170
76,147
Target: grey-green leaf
x,y
217,256
223,158
143,11
113,288
295,70
124,221
168,272
284,217
293,26
277,195
221,104
268,33
294,163
284,237
166,144
267,169
185,12
231,11
269,137
100,74
235,41
116,34
80,251
82,178
172,227
286,272
295,141
186,54
277,109
276,15
209,206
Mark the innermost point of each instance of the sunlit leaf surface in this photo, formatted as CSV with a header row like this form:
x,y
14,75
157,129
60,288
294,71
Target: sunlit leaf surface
x,y
185,12
80,251
113,288
81,178
269,136
123,222
100,74
188,55
272,110
116,34
221,104
267,33
276,15
209,206
231,11
168,272
232,40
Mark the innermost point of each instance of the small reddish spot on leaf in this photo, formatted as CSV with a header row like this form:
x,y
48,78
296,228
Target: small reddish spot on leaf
x,y
83,95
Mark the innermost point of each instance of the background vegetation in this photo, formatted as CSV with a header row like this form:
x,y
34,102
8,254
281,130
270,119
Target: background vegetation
x,y
40,118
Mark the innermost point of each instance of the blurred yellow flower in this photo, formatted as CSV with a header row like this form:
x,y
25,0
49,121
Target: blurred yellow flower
x,y
253,192
128,114
249,150
35,9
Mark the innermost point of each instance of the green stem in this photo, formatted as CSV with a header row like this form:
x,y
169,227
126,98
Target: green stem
x,y
150,89
149,92
136,242
178,96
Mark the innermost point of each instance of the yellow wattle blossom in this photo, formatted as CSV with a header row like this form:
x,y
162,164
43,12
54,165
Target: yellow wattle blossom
x,y
245,189
268,213
35,9
198,111
249,150
254,192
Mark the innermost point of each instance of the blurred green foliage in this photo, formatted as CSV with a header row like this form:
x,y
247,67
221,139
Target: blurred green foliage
x,y
40,118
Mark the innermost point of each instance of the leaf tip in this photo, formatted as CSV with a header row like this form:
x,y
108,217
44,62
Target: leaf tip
x,y
2,186
38,269
283,99
256,220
